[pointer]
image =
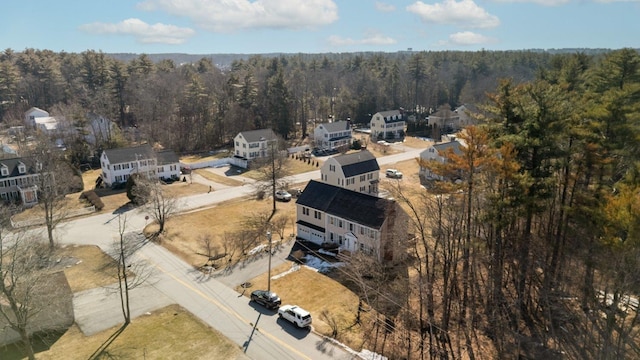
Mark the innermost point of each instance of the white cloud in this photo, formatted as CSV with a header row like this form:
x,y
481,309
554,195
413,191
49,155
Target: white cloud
x,y
541,2
231,15
143,32
369,39
469,38
383,7
462,13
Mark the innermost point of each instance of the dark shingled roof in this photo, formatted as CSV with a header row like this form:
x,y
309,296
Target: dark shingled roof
x,y
389,116
350,205
258,135
336,126
123,155
12,165
167,157
357,163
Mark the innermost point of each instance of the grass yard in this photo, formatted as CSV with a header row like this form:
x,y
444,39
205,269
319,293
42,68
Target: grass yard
x,y
318,294
292,167
225,180
88,270
184,233
161,335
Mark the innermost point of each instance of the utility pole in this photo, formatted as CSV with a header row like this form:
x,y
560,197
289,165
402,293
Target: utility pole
x,y
269,272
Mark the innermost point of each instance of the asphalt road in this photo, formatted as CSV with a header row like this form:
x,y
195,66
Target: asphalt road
x,y
258,331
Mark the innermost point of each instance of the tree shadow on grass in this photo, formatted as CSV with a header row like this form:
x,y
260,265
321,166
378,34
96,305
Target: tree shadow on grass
x,y
40,341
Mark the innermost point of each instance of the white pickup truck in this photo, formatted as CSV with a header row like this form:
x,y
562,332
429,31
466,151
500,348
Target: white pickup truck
x,y
295,315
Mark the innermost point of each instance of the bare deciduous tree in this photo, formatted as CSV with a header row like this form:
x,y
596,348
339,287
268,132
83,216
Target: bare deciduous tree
x,y
32,297
272,170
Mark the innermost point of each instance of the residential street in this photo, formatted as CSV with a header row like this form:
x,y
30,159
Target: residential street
x,y
256,330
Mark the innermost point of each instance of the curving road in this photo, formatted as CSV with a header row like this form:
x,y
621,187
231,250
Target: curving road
x,y
259,332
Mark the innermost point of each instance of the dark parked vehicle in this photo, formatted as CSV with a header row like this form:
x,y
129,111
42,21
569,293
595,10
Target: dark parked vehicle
x,y
268,299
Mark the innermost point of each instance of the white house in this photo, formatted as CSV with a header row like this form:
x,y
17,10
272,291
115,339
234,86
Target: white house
x,y
98,129
387,125
437,152
31,115
118,164
333,216
18,179
357,171
251,145
330,136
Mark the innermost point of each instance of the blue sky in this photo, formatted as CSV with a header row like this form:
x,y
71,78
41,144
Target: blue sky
x,y
316,26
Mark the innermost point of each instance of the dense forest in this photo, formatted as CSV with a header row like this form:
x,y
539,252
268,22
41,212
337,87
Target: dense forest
x,y
532,253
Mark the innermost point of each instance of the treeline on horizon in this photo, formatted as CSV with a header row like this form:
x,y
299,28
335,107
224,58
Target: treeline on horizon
x,y
534,251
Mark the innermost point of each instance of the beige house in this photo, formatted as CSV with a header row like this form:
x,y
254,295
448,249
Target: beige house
x,y
254,144
333,216
356,171
330,136
452,120
387,125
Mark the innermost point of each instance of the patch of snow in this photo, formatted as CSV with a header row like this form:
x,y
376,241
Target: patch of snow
x,y
370,355
294,268
325,252
319,265
257,249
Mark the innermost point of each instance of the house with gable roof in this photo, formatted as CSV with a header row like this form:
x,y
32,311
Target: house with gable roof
x,y
387,125
119,164
333,135
333,216
18,179
253,144
358,171
452,120
438,152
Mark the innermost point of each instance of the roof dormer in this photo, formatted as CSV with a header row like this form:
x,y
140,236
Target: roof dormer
x,y
4,170
22,168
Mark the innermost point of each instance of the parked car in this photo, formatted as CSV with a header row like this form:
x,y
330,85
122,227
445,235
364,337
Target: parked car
x,y
394,174
268,299
295,315
283,195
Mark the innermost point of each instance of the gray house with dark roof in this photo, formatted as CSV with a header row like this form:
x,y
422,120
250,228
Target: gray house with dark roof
x,y
387,125
358,171
352,221
118,164
333,135
437,152
18,179
253,144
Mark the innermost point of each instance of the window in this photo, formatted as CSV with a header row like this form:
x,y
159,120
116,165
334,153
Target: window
x,y
108,166
161,169
5,171
125,166
351,227
363,177
143,163
305,211
331,220
340,223
119,178
244,146
237,143
317,215
22,168
117,167
332,168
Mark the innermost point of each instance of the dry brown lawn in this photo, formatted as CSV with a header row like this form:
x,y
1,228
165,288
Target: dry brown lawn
x,y
318,294
184,233
168,333
292,167
190,159
89,269
225,180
